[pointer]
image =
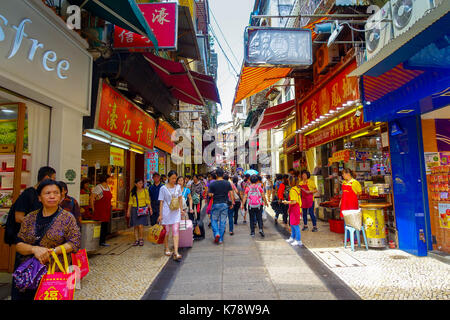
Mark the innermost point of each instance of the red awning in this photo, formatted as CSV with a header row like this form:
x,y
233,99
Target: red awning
x,y
185,85
274,116
177,78
206,85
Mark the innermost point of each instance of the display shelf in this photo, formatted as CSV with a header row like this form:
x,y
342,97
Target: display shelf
x,y
13,154
23,171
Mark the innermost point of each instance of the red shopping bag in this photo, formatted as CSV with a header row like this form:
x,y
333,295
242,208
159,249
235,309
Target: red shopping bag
x,y
208,209
80,260
57,285
156,234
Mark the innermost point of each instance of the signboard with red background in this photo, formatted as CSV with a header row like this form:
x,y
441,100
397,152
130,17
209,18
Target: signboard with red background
x,y
164,137
332,95
117,115
162,19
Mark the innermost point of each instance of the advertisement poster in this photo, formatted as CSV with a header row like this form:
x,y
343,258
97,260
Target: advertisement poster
x,y
444,215
151,163
161,163
432,159
445,158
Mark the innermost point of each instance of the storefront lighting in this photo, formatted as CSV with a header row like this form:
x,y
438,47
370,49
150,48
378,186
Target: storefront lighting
x,y
328,123
96,137
360,135
119,145
312,131
136,150
332,111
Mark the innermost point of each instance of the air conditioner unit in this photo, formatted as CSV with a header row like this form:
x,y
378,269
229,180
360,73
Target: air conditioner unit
x,y
405,13
378,31
325,57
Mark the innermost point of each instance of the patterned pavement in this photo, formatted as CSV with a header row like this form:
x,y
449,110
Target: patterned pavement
x,y
380,274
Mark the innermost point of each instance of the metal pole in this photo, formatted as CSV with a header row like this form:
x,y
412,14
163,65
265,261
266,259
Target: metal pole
x,y
336,16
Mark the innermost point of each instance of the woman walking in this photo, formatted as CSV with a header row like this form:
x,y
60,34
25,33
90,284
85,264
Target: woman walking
x,y
171,204
187,198
308,188
197,190
139,209
294,204
237,198
101,205
268,188
256,198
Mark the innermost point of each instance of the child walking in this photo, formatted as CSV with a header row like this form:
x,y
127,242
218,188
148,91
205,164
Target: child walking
x,y
295,203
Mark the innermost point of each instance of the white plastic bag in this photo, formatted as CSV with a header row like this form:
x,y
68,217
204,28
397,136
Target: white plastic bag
x,y
353,218
242,211
264,215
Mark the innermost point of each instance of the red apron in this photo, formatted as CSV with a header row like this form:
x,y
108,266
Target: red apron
x,y
294,214
103,207
307,198
349,199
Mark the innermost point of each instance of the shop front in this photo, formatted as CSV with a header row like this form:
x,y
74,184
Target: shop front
x,y
117,145
335,136
164,146
45,81
415,105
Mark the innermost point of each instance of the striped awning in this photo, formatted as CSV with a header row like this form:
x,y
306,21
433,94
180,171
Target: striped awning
x,y
255,79
377,87
274,116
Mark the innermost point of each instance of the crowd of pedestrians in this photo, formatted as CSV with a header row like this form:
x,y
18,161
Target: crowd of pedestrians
x,y
45,216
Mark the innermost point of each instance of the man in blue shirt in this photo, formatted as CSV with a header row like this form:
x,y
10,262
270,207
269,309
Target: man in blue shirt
x,y
153,190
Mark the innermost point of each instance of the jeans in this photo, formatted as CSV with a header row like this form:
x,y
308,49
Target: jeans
x,y
255,216
311,213
219,214
155,208
295,232
231,219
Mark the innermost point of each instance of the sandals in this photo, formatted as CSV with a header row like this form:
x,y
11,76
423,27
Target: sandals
x,y
168,253
177,257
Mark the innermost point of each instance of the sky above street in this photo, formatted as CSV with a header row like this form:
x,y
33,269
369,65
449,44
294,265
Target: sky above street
x,y
232,16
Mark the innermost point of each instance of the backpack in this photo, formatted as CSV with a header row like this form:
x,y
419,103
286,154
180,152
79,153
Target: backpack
x,y
254,197
195,198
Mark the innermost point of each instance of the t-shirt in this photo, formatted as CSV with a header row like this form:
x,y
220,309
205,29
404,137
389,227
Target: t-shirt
x,y
220,189
356,186
154,191
165,195
28,201
295,195
198,189
143,198
185,193
98,190
310,183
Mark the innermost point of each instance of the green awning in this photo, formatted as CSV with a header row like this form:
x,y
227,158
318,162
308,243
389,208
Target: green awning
x,y
123,13
249,119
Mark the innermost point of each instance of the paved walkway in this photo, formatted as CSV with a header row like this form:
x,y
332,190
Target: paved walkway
x,y
247,268
378,274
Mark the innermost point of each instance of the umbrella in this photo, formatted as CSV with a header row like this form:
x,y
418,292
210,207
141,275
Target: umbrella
x,y
251,172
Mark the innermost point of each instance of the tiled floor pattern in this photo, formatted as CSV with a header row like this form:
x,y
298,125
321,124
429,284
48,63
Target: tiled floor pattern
x,y
125,275
384,274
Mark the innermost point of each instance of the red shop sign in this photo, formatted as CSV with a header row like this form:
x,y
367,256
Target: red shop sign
x,y
164,137
162,19
336,130
117,115
334,94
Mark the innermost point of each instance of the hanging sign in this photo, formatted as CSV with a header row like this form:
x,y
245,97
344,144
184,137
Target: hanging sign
x,y
338,129
332,95
152,162
162,19
117,115
343,155
266,47
116,157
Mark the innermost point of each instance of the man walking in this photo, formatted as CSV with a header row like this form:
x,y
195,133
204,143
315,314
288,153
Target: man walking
x,y
154,195
218,190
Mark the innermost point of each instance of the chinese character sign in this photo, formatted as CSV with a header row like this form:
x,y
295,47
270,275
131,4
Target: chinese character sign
x,y
162,19
152,163
119,116
164,137
332,95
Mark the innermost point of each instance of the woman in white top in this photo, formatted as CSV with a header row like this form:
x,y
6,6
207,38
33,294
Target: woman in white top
x,y
170,219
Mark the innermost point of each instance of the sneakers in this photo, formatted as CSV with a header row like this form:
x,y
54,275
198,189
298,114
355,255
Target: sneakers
x,y
216,239
315,229
252,234
290,240
261,233
297,243
305,228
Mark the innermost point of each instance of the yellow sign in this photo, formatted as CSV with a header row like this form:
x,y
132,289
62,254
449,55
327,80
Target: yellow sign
x,y
116,157
97,230
374,223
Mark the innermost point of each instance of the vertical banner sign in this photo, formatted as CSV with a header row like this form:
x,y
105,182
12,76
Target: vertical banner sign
x,y
116,156
152,163
332,95
164,137
162,163
162,19
118,116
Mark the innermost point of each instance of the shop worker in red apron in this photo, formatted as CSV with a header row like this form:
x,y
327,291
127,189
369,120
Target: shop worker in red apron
x,y
351,188
308,188
102,206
